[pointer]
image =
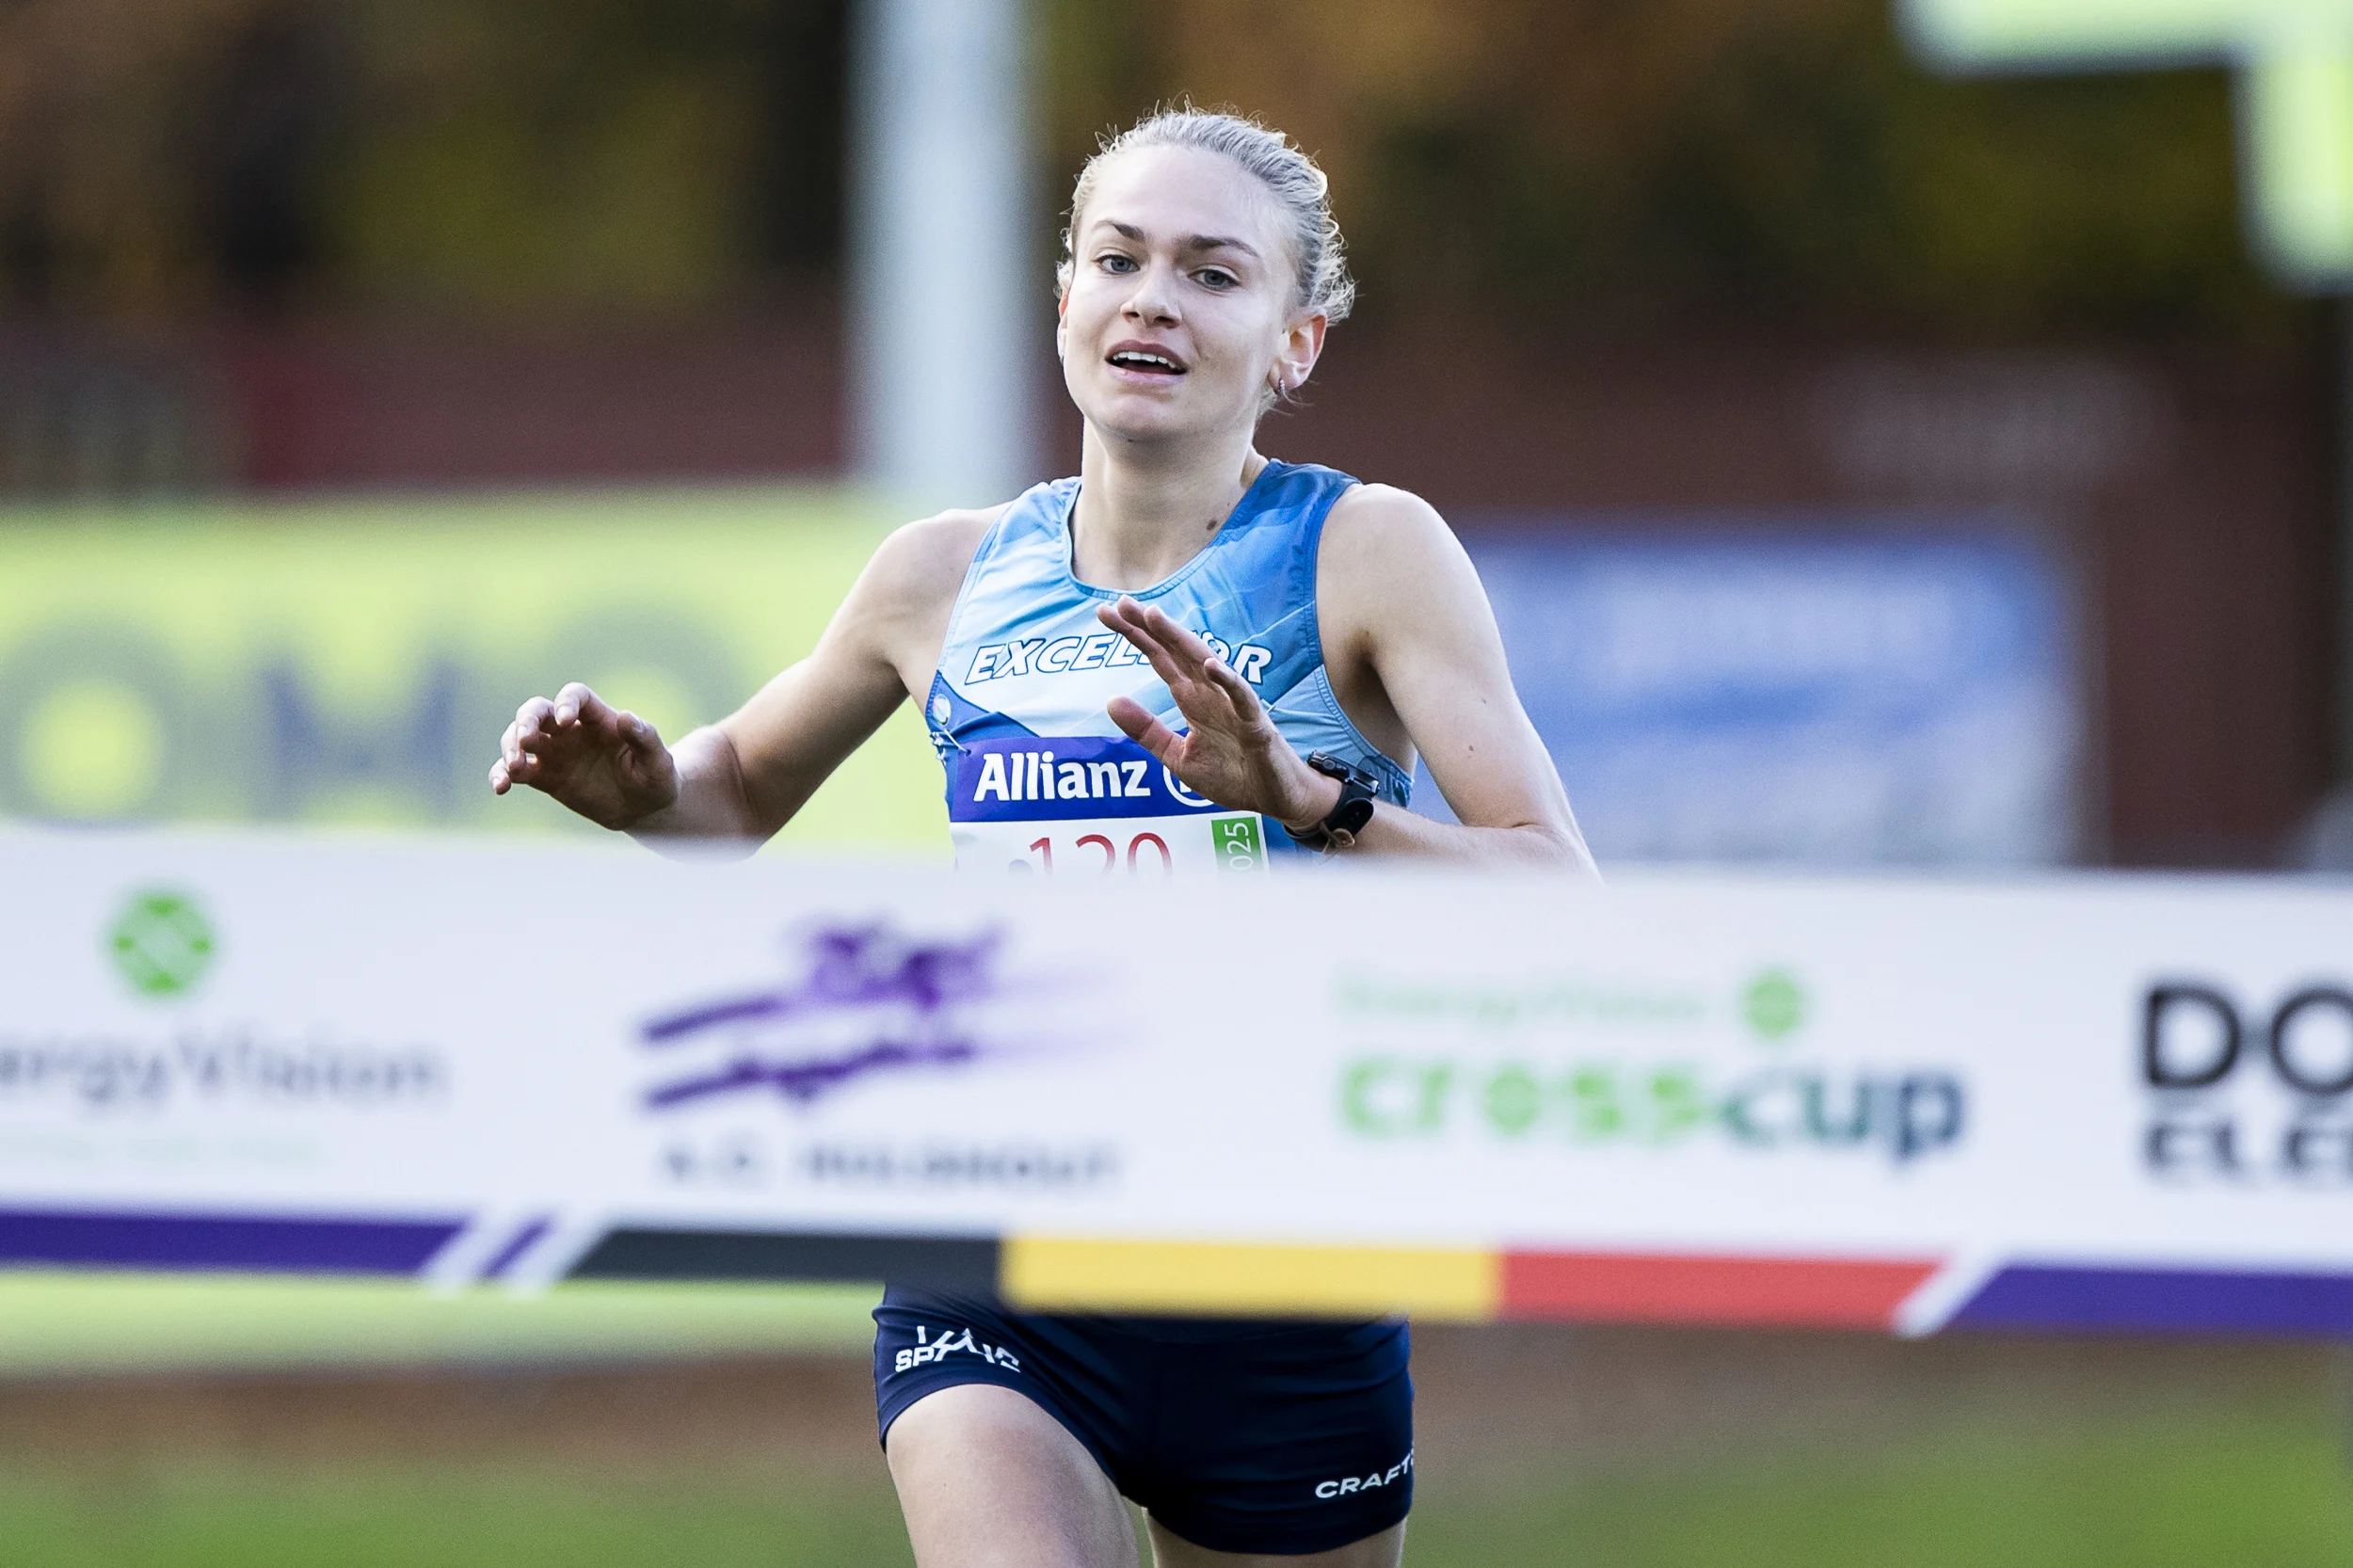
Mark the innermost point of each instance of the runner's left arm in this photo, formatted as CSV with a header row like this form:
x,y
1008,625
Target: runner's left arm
x,y
1399,598
1412,647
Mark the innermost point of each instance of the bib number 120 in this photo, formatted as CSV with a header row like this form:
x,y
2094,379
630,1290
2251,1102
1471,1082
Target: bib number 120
x,y
1145,845
1103,848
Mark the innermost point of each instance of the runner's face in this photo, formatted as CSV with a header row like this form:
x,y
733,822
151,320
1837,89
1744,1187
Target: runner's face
x,y
1181,309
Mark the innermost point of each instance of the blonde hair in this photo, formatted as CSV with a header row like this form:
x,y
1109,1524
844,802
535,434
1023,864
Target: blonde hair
x,y
1298,186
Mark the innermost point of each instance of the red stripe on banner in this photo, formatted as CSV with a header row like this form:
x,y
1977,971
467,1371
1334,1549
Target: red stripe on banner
x,y
1643,1288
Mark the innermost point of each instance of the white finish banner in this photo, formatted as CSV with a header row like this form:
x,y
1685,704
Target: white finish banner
x,y
2091,1101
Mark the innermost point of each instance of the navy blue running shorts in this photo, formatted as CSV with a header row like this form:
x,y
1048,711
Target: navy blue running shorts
x,y
1282,1438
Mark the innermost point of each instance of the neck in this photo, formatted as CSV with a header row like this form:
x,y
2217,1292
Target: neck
x,y
1145,510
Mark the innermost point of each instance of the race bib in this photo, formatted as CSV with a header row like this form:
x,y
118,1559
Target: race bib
x,y
1084,806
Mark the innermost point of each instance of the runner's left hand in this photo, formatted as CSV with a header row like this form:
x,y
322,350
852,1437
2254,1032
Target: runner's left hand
x,y
1232,753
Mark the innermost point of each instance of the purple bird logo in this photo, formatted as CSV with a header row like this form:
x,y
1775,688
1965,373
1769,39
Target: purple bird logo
x,y
871,1001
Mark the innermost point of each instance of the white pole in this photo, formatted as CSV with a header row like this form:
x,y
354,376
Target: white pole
x,y
2341,481
950,311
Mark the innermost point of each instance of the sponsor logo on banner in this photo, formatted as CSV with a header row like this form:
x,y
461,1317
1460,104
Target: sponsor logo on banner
x,y
748,1159
872,1002
871,1005
101,1071
2247,1088
1024,1166
1634,1098
161,945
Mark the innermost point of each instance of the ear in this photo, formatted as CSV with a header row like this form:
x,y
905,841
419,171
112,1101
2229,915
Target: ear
x,y
1062,324
1302,345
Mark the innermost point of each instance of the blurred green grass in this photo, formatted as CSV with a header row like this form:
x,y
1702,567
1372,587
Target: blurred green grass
x,y
2230,1493
408,1516
54,1322
2248,1490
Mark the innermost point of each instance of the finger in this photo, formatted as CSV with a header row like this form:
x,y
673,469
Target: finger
x,y
535,717
1191,658
514,748
499,784
1237,690
1138,723
1126,618
1115,615
1151,629
1184,644
577,704
635,732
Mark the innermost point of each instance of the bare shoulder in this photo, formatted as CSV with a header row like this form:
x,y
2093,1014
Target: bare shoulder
x,y
1383,546
1383,513
921,564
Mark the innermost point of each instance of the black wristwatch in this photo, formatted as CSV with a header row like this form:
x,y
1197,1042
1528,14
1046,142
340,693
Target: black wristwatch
x,y
1340,827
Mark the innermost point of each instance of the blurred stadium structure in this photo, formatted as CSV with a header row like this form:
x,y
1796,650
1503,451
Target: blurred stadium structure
x,y
1736,272
2295,88
1870,466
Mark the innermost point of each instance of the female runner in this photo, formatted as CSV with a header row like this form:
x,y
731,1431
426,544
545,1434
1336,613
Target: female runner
x,y
1188,652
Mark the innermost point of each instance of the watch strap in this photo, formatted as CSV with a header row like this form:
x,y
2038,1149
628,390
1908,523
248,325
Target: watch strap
x,y
1360,789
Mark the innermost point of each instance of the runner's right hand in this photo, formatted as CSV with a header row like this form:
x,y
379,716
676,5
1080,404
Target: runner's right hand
x,y
604,762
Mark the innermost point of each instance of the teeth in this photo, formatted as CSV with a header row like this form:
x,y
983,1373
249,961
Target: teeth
x,y
1130,357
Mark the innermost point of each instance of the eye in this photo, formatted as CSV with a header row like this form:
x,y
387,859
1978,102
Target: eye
x,y
1113,261
1218,277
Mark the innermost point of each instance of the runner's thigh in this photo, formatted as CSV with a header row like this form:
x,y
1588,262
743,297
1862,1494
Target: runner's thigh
x,y
987,1480
1384,1550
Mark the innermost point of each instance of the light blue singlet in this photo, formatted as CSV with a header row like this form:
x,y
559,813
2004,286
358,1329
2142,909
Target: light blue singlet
x,y
1038,777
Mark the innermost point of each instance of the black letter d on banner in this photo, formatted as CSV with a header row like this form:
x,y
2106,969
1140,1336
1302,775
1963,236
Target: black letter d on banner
x,y
2164,1002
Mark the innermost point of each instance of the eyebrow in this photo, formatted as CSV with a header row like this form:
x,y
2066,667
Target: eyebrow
x,y
1196,242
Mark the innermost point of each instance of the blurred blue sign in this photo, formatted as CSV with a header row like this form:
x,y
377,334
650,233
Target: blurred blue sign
x,y
1806,699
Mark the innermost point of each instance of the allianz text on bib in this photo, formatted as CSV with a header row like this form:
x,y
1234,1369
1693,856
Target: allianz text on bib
x,y
1087,806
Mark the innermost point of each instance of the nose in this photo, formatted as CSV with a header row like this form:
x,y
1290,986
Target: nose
x,y
1152,300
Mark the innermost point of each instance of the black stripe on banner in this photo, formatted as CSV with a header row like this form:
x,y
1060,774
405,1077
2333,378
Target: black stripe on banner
x,y
942,1262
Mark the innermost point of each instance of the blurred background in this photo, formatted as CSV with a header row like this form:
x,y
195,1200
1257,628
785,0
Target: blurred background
x,y
1874,463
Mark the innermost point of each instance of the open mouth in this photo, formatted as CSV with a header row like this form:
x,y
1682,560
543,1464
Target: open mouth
x,y
1140,360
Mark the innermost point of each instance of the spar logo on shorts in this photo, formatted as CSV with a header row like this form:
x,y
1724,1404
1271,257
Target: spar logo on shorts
x,y
1348,1486
952,1341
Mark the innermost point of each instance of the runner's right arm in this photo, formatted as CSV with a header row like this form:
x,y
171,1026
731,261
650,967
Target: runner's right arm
x,y
739,780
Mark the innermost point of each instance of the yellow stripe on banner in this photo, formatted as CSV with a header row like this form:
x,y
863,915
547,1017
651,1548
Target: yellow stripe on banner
x,y
1243,1279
